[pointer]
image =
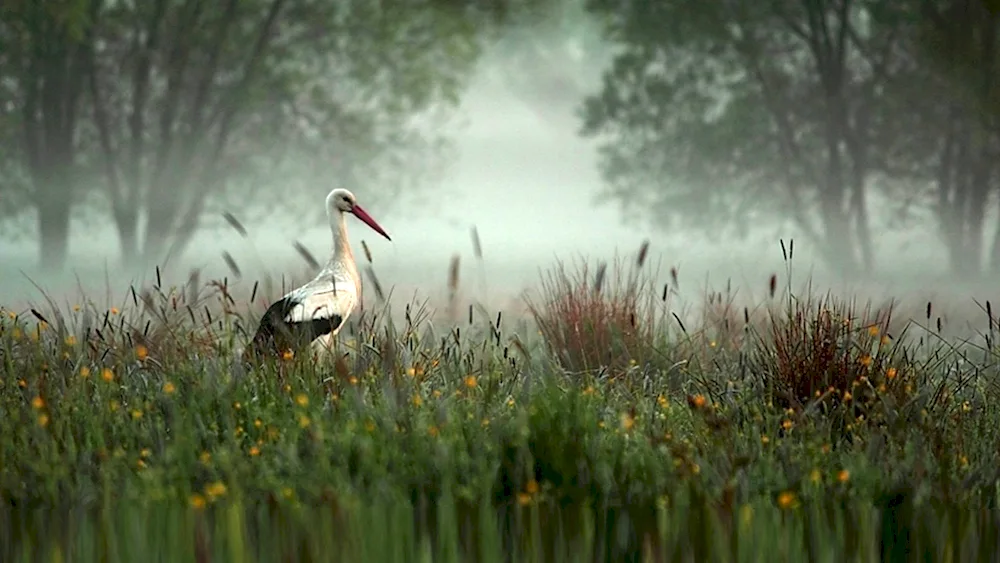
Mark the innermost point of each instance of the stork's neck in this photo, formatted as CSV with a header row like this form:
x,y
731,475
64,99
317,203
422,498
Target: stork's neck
x,y
341,259
342,255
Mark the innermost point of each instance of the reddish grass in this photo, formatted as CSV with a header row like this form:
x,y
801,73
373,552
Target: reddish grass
x,y
832,348
601,319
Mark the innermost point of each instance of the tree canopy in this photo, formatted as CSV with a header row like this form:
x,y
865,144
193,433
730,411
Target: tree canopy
x,y
169,109
734,114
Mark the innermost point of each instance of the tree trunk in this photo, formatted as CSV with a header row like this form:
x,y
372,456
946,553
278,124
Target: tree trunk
x,y
53,231
995,251
127,224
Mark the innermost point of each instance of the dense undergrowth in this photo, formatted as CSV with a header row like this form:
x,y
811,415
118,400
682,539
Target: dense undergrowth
x,y
803,429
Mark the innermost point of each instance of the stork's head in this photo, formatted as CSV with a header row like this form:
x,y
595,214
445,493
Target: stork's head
x,y
343,201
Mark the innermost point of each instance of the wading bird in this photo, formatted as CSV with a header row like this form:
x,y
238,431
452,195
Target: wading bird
x,y
314,313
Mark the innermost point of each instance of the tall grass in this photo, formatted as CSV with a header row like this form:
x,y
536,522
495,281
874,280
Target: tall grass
x,y
616,430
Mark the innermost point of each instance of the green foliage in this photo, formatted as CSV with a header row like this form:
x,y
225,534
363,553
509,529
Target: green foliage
x,y
827,114
184,108
123,421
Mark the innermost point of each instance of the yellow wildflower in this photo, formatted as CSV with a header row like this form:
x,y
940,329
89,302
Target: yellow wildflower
x,y
84,372
136,414
815,476
197,501
628,422
843,476
524,499
70,340
873,330
470,381
531,487
37,403
662,401
141,353
43,420
215,490
287,355
114,310
866,360
301,399
787,500
107,374
417,400
890,373
304,421
205,457
254,451
764,439
787,424
169,388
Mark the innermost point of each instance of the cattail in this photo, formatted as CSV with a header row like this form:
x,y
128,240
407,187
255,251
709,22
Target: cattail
x,y
368,253
306,255
253,292
231,263
234,223
602,269
453,274
673,276
470,313
928,310
193,285
642,252
989,313
679,322
477,247
39,316
939,325
784,252
666,289
772,285
378,287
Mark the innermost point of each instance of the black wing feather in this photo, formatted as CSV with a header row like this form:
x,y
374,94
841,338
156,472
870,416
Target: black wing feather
x,y
275,334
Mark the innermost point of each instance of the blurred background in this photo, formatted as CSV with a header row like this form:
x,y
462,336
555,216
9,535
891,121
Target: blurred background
x,y
868,131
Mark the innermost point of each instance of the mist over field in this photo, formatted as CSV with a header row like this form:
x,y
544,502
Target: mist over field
x,y
524,177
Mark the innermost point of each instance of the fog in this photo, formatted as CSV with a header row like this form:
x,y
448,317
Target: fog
x,y
529,184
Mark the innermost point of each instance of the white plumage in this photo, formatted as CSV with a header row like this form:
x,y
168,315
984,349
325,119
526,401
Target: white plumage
x,y
315,312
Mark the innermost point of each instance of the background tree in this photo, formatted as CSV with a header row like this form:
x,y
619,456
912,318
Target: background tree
x,y
198,98
725,115
951,89
42,48
174,109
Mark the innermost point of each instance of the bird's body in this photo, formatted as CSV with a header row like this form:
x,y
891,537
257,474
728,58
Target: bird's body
x,y
315,312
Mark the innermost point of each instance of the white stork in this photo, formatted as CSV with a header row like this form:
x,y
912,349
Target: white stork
x,y
315,312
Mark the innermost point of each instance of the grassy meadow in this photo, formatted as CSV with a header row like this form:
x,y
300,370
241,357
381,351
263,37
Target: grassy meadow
x,y
612,428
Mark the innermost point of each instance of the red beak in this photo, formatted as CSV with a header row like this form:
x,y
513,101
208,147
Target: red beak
x,y
364,216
